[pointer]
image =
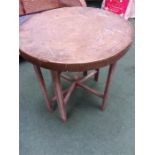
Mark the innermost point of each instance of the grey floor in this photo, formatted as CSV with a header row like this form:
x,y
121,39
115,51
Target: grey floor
x,y
88,131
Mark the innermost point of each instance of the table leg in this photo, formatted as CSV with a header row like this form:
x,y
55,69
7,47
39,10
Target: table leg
x,y
108,82
58,92
43,86
97,75
85,73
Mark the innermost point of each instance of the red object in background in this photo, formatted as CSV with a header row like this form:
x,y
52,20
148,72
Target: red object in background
x,y
116,6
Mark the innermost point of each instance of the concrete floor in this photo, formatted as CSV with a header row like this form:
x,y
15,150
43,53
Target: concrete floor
x,y
88,131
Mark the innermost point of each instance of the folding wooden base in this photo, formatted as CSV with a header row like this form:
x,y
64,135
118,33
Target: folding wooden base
x,y
62,96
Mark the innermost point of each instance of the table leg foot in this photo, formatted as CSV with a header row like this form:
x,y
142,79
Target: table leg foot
x,y
58,91
102,107
64,120
108,82
43,86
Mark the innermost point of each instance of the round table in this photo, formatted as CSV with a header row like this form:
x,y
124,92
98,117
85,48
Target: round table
x,y
74,39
